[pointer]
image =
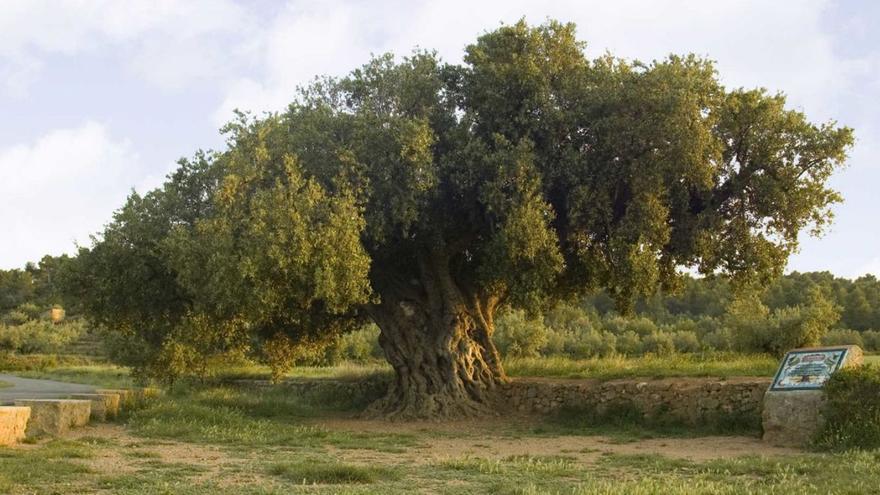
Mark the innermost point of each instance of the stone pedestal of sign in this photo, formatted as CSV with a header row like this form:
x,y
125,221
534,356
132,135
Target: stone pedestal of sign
x,y
792,411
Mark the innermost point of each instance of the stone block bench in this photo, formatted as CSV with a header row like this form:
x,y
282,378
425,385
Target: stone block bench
x,y
13,423
55,416
105,405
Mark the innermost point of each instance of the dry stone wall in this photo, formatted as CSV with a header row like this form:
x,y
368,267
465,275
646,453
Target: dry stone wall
x,y
687,401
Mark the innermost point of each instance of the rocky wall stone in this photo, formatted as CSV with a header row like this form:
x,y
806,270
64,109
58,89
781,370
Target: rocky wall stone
x,y
687,401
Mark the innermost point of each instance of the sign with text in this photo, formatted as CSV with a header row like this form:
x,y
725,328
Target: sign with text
x,y
808,369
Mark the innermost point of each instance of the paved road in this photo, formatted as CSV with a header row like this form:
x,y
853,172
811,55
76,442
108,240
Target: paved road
x,y
28,388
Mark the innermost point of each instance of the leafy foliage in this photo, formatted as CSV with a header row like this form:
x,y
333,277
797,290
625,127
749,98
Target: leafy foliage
x,y
29,329
528,174
852,410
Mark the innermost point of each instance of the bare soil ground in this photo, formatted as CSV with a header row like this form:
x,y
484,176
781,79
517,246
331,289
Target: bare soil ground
x,y
455,439
439,441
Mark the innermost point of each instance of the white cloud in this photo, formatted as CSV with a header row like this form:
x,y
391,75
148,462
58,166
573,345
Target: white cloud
x,y
872,267
167,42
59,189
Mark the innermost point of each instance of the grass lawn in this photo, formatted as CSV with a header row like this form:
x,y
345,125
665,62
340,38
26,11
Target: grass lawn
x,y
226,440
676,365
873,360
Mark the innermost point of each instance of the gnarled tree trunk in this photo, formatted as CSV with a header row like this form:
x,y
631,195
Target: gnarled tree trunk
x,y
437,338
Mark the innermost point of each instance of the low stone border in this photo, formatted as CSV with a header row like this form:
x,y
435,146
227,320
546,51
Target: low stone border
x,y
104,405
130,398
55,416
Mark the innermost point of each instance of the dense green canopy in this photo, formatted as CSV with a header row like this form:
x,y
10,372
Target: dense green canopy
x,y
424,195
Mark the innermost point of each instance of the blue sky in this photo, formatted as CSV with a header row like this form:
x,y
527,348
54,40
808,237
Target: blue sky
x,y
100,97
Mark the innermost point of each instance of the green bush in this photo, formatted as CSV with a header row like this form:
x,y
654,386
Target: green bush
x,y
719,340
685,341
39,336
517,335
38,362
843,337
14,318
359,346
557,342
852,410
571,319
660,344
871,338
629,343
640,325
591,344
756,329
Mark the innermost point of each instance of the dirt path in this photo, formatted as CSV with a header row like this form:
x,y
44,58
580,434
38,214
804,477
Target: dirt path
x,y
469,438
125,453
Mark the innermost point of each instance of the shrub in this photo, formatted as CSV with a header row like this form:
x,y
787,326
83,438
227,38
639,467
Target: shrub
x,y
361,346
843,337
756,330
39,362
685,341
641,326
871,338
804,326
629,343
557,342
592,344
707,325
31,311
568,318
14,318
719,340
658,343
39,336
747,319
519,336
852,410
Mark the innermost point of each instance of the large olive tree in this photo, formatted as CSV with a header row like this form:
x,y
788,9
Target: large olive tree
x,y
425,196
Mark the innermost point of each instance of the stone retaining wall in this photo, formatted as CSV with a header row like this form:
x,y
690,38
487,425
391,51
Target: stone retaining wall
x,y
688,401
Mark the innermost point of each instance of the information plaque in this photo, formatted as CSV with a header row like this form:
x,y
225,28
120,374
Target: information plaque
x,y
807,369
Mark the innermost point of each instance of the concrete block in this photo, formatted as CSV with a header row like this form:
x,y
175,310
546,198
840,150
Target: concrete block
x,y
131,398
792,418
127,398
55,416
792,413
13,423
104,406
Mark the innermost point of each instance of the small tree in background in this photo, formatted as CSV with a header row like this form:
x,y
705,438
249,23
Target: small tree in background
x,y
756,329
